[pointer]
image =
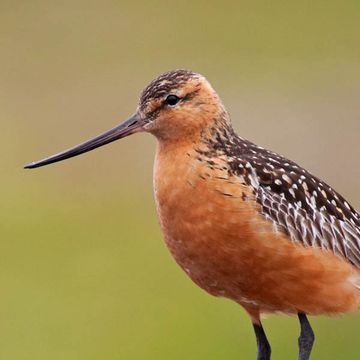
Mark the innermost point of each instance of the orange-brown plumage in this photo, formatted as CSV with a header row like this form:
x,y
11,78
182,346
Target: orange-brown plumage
x,y
225,245
243,222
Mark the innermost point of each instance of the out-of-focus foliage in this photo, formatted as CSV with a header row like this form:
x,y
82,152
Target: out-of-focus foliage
x,y
84,273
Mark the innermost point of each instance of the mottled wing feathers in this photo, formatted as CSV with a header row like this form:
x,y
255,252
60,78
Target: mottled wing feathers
x,y
302,206
316,229
299,204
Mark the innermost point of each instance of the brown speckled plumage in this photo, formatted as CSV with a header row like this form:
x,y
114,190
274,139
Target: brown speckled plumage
x,y
164,84
307,209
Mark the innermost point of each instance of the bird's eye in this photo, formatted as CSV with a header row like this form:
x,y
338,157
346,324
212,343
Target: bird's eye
x,y
172,100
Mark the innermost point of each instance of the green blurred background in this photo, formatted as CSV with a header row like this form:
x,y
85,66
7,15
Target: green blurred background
x,y
84,273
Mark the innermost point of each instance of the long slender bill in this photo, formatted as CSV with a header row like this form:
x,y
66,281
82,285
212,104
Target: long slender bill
x,y
128,127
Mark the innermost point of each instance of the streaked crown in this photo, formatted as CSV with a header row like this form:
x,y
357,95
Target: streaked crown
x,y
179,103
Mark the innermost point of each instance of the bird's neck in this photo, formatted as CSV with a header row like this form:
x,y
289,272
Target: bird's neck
x,y
214,136
187,160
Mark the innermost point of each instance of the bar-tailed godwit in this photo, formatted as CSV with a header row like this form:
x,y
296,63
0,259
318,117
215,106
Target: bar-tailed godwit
x,y
243,222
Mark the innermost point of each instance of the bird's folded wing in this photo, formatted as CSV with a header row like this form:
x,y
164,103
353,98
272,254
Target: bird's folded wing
x,y
312,214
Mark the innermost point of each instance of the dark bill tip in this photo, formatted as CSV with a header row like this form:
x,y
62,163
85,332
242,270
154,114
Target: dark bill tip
x,y
126,128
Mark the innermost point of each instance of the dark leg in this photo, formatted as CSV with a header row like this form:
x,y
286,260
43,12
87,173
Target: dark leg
x,y
306,339
263,346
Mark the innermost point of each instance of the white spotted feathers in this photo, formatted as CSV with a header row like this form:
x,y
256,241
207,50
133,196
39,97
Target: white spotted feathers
x,y
299,204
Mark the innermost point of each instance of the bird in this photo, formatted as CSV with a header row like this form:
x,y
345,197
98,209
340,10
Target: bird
x,y
243,222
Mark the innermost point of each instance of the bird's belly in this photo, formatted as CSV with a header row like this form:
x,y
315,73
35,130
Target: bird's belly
x,y
216,234
202,243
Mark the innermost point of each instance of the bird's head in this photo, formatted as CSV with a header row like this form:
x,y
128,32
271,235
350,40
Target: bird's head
x,y
177,106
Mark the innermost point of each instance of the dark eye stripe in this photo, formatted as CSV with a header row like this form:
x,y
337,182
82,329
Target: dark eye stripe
x,y
190,95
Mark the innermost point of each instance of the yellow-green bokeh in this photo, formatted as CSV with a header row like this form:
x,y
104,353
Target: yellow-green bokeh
x,y
84,273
